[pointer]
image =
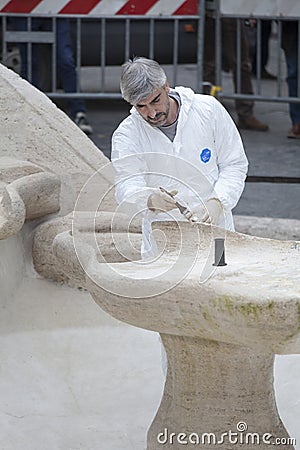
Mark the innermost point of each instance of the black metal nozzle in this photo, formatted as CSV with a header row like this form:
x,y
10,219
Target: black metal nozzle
x,y
219,252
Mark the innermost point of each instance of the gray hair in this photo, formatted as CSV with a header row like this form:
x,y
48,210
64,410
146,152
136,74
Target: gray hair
x,y
139,78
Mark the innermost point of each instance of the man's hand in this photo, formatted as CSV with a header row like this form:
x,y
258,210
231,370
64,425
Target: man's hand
x,y
161,202
210,212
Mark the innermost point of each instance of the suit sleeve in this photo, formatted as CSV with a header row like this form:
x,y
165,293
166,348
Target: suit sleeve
x,y
130,168
231,159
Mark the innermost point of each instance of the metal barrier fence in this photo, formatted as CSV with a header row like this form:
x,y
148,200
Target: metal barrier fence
x,y
115,38
186,42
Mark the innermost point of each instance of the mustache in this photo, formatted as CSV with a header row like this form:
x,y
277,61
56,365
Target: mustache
x,y
157,116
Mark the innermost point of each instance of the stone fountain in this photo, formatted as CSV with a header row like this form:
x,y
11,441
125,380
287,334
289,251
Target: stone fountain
x,y
220,326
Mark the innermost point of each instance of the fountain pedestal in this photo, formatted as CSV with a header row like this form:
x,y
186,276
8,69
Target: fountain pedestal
x,y
216,393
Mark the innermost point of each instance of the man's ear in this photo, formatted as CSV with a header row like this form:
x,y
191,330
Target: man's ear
x,y
167,87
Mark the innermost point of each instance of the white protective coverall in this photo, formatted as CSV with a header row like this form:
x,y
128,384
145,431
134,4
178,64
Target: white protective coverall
x,y
205,160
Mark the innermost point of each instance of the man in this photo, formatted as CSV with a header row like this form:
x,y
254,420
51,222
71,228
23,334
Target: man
x,y
244,108
65,64
290,46
263,43
179,141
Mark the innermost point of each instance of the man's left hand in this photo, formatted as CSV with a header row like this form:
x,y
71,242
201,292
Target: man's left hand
x,y
210,212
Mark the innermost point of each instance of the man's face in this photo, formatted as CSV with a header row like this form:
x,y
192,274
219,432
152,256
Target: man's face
x,y
155,108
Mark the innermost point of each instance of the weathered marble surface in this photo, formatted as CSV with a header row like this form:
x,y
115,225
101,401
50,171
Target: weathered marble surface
x,y
33,129
26,193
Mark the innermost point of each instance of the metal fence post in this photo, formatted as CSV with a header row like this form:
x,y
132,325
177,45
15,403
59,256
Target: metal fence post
x,y
200,45
54,45
218,46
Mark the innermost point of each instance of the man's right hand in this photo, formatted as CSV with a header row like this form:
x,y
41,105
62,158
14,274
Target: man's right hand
x,y
159,201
